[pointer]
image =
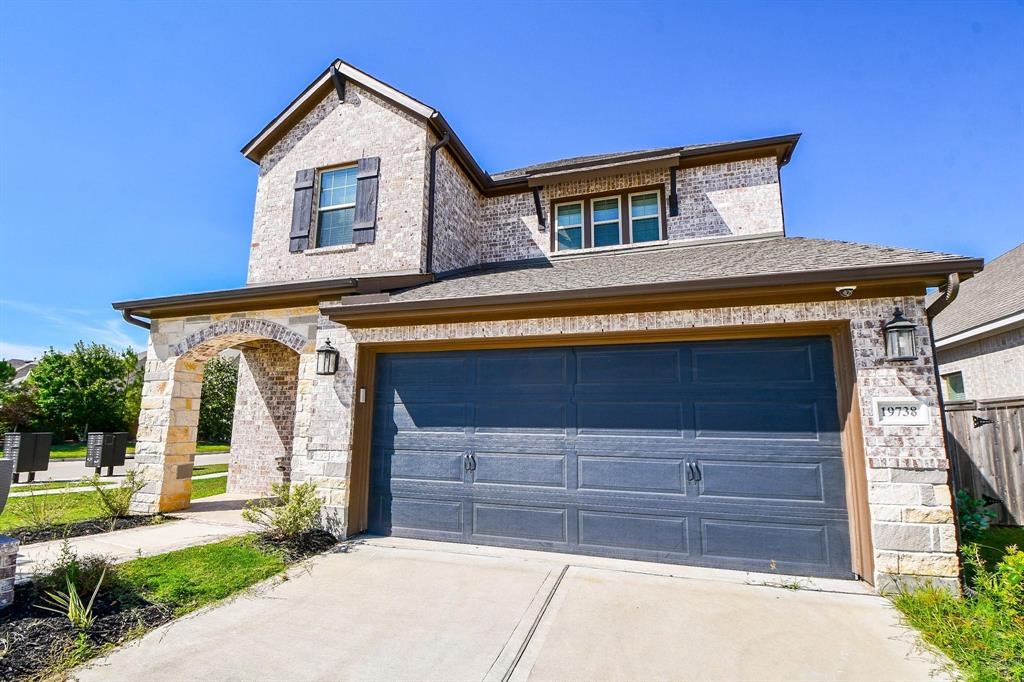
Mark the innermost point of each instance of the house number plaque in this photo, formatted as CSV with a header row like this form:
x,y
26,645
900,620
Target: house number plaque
x,y
900,412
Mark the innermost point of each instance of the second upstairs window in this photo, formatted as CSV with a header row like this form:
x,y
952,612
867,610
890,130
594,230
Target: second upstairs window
x,y
336,210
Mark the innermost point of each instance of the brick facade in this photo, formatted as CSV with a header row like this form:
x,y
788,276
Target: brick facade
x,y
992,367
335,134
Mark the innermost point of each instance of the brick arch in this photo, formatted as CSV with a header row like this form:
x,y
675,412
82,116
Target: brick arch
x,y
205,343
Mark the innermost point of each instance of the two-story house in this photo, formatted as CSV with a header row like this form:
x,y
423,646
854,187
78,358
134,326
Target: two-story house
x,y
617,355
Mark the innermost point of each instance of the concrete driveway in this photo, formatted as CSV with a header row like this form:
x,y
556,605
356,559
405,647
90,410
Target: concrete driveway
x,y
387,609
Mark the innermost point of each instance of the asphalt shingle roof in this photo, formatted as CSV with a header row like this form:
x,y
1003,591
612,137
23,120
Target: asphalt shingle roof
x,y
594,159
668,264
992,294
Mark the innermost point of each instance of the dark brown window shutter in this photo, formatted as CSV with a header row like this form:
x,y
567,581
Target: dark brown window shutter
x,y
302,210
365,224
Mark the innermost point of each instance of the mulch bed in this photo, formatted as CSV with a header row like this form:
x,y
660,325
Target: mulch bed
x,y
33,642
27,536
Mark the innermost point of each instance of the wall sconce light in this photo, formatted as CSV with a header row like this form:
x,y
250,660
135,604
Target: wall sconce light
x,y
899,337
327,359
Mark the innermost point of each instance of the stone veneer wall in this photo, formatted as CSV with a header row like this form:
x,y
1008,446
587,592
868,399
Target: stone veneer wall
x,y
910,503
176,354
457,217
264,421
333,134
993,367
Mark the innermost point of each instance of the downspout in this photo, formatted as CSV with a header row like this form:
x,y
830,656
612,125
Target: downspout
x,y
952,288
127,315
443,142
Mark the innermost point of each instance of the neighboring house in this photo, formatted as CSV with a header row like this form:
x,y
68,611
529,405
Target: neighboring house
x,y
619,354
979,337
22,369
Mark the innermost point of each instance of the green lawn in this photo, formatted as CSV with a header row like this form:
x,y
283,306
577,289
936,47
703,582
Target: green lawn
x,y
71,507
191,578
982,632
52,485
73,450
209,469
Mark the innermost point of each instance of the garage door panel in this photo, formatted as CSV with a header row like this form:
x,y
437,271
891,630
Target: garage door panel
x,y
428,416
529,417
518,522
425,369
765,540
635,474
743,365
422,514
636,419
520,469
779,480
587,450
511,369
423,466
756,420
603,529
627,366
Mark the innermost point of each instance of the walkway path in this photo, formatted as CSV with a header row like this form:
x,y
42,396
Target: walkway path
x,y
208,520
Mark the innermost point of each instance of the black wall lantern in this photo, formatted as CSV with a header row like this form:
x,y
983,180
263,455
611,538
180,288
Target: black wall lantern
x,y
899,337
327,359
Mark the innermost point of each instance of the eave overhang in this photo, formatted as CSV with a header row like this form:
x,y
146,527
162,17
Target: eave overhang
x,y
817,285
269,296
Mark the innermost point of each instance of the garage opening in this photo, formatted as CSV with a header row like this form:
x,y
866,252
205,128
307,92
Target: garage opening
x,y
715,453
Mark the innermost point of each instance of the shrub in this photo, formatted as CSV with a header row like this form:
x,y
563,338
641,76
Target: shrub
x,y
115,502
983,632
291,511
974,518
40,511
82,571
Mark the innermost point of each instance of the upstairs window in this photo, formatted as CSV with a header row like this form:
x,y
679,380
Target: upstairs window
x,y
645,217
954,385
569,226
605,219
337,208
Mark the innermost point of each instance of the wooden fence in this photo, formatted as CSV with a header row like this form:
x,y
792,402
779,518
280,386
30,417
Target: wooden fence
x,y
986,446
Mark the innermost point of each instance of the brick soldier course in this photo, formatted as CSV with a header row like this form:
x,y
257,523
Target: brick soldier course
x,y
488,242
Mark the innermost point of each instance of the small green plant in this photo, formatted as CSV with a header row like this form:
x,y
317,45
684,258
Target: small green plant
x,y
82,571
291,511
70,604
116,502
974,518
39,511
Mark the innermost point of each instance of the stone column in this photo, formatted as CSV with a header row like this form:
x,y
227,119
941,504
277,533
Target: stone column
x,y
168,427
8,567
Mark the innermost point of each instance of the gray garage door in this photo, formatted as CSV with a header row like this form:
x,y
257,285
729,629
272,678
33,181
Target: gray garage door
x,y
719,454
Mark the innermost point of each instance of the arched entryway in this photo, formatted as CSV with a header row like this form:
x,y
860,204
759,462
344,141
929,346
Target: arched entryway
x,y
264,418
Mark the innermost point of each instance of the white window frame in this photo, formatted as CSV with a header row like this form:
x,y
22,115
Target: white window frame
x,y
320,210
582,203
661,224
594,222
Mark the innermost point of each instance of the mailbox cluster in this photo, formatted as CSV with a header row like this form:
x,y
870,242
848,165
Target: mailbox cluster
x,y
106,450
30,452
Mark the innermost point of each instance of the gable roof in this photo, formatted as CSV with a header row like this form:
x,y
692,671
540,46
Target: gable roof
x,y
992,295
515,180
761,262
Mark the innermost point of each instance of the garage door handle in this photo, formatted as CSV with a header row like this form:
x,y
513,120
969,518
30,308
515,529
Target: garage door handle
x,y
696,470
472,462
689,471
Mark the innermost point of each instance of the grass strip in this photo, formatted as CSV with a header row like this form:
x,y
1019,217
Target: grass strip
x,y
201,469
75,450
51,485
188,579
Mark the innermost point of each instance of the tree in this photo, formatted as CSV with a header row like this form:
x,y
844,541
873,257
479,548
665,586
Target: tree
x,y
83,390
217,405
7,372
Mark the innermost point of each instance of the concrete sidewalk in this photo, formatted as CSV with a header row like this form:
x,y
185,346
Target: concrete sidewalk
x,y
208,520
414,610
84,489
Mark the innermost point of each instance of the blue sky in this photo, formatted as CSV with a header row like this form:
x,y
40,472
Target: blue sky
x,y
120,124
